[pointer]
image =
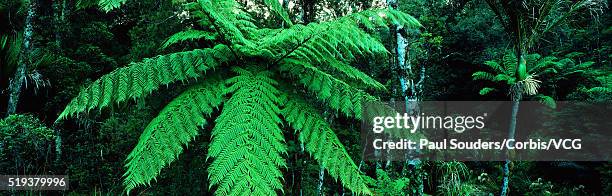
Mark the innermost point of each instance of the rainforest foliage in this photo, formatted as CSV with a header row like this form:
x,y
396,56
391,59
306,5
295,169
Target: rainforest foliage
x,y
263,97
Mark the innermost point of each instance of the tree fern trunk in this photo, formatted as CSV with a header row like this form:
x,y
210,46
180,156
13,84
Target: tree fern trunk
x,y
24,60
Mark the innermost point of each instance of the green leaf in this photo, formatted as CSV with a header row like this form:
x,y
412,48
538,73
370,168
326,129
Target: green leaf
x,y
109,5
247,142
481,75
142,78
323,144
546,100
188,35
176,125
486,90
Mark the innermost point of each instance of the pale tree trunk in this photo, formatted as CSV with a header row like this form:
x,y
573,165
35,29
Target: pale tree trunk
x,y
321,181
302,169
511,135
24,60
521,53
410,91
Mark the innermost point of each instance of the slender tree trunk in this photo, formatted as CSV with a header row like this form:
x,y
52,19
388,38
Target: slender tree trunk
x,y
302,168
517,93
57,23
60,9
506,168
24,60
321,181
410,93
516,101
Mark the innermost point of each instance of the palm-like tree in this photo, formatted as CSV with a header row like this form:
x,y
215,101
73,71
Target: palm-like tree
x,y
526,22
504,74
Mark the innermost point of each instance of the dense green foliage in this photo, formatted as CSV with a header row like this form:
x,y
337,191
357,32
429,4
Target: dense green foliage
x,y
246,144
264,97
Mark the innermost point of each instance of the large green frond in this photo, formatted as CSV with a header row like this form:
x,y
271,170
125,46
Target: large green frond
x,y
605,87
600,90
481,75
345,37
336,93
382,18
541,65
140,79
495,66
323,144
330,47
510,63
335,44
176,125
188,35
247,142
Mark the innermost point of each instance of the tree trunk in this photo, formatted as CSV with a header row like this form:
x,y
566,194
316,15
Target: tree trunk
x,y
24,60
321,181
511,134
302,168
410,93
57,23
520,73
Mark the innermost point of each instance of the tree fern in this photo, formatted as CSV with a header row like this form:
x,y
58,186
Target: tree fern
x,y
247,147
